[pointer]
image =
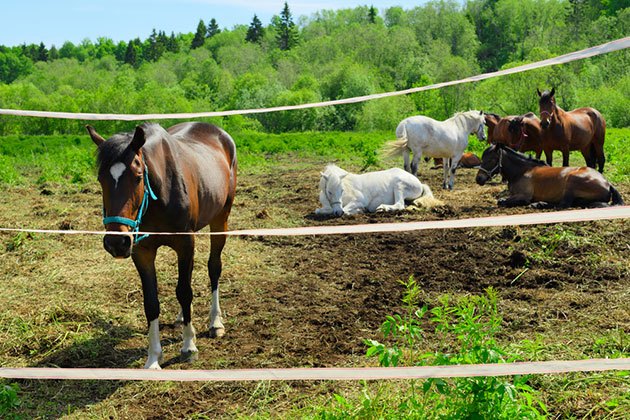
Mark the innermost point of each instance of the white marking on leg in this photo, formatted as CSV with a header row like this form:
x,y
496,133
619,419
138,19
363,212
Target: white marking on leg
x,y
189,339
117,170
216,323
155,348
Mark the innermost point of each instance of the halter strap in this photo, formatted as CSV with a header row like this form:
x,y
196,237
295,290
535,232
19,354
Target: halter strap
x,y
135,224
491,173
546,112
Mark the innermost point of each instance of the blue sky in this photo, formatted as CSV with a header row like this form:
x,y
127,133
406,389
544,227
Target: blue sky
x,y
54,22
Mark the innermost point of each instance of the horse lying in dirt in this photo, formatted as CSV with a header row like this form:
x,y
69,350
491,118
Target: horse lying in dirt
x,y
533,182
468,161
342,192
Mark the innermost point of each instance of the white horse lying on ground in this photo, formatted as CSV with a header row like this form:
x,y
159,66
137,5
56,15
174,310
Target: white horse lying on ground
x,y
341,192
437,139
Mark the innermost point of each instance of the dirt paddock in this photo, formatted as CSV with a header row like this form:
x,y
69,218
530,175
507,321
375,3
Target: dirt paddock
x,y
294,301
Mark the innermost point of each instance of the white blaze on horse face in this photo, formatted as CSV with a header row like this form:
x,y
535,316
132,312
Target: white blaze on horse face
x,y
116,171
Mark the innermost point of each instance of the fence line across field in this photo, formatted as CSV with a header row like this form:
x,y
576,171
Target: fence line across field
x,y
565,216
616,45
322,374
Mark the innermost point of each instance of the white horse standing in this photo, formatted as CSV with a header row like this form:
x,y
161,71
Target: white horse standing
x,y
437,139
342,192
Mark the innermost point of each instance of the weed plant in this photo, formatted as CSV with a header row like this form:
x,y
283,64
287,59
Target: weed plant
x,y
9,401
472,324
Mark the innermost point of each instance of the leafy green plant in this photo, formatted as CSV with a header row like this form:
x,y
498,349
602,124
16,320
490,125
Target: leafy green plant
x,y
467,330
9,401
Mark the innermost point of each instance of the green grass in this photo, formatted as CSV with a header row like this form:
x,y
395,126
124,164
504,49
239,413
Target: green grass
x,y
69,160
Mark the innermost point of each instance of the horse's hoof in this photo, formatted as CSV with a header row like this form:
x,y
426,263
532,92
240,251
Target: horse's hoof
x,y
216,332
154,365
189,356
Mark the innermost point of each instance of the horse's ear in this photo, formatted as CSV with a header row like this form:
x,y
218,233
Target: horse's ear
x,y
538,91
96,138
480,112
553,91
323,175
138,139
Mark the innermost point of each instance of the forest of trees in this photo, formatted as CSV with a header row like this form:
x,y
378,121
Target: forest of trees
x,y
330,55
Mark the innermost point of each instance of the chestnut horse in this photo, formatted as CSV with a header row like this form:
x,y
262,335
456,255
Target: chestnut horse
x,y
176,180
531,181
582,129
520,132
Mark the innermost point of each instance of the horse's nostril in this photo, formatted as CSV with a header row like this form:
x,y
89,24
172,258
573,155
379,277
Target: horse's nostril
x,y
117,245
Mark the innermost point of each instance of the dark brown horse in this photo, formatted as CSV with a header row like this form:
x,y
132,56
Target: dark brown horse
x,y
176,180
531,181
520,132
582,129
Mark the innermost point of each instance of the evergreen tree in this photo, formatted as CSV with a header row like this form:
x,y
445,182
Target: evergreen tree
x,y
200,35
131,55
42,53
286,31
172,45
255,31
213,28
53,53
372,15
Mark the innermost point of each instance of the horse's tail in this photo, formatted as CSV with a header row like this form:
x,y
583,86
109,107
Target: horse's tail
x,y
615,197
427,199
396,147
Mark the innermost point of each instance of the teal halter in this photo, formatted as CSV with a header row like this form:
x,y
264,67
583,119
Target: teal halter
x,y
135,224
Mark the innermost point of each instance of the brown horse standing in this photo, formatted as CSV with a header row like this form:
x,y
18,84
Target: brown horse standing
x,y
176,180
520,132
582,129
531,181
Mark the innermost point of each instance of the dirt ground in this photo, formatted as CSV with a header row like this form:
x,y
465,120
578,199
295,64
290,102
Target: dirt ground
x,y
311,301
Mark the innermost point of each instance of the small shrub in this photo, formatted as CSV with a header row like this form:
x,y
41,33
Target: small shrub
x,y
472,323
9,401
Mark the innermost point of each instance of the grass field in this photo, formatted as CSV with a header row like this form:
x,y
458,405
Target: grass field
x,y
562,292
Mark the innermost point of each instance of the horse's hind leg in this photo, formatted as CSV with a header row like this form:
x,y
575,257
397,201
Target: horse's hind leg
x,y
600,156
185,259
217,242
414,163
406,158
144,260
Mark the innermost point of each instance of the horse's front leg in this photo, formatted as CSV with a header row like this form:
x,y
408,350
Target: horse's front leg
x,y
446,162
454,162
144,260
185,248
217,242
549,157
565,157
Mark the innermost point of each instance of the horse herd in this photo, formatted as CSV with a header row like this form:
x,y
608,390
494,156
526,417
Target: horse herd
x,y
183,179
530,181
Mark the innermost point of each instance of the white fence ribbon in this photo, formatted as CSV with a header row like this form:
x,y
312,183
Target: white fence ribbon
x,y
321,374
616,45
565,216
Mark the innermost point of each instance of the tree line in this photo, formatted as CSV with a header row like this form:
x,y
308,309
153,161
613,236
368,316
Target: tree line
x,y
331,55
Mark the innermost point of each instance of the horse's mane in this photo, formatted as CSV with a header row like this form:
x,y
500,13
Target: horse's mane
x,y
111,151
523,156
332,169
